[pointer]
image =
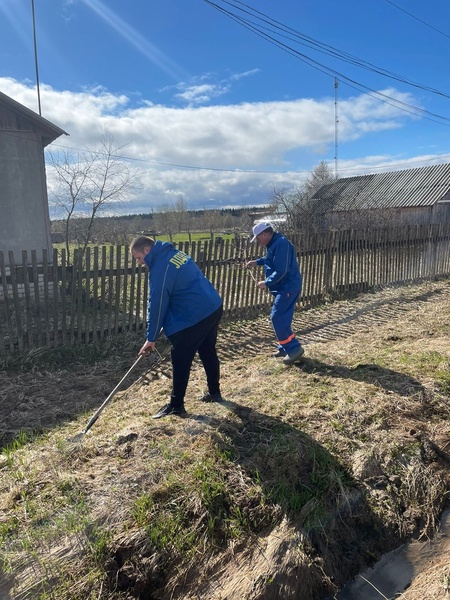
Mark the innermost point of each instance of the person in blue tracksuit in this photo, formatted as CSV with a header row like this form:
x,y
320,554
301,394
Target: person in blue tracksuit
x,y
284,281
185,304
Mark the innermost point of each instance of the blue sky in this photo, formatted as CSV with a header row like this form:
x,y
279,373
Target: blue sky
x,y
222,102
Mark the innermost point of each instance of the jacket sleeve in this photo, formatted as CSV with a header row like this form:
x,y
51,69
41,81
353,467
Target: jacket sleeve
x,y
160,286
280,263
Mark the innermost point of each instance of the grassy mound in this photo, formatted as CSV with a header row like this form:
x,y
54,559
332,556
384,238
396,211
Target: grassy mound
x,y
300,479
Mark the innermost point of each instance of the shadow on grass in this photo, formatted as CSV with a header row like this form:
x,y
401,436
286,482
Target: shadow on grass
x,y
333,522
39,399
389,380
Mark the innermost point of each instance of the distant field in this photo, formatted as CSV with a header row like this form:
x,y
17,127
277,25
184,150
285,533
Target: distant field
x,y
197,236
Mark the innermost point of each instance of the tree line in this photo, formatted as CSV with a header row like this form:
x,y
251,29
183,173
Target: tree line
x,y
91,188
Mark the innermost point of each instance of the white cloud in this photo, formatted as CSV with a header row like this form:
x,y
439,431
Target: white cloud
x,y
201,94
250,73
213,155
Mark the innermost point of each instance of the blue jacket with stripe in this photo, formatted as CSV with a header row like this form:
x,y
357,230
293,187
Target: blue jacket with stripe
x,y
281,266
180,295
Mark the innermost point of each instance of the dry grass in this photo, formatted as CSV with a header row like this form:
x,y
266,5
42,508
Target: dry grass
x,y
315,469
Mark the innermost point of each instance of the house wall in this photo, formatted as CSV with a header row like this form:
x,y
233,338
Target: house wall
x,y
417,215
24,216
441,212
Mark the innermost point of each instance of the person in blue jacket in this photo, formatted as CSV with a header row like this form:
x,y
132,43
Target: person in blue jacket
x,y
284,281
185,304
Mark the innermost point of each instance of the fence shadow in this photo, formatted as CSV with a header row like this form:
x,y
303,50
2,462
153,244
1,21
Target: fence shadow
x,y
389,380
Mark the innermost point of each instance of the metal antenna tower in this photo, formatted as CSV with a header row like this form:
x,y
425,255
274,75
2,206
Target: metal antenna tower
x,y
336,127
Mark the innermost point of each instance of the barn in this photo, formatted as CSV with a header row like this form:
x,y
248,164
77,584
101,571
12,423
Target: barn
x,y
410,197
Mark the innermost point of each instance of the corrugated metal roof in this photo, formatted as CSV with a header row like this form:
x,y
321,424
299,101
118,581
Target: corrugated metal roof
x,y
396,189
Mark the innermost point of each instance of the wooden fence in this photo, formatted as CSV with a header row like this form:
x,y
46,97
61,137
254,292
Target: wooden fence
x,y
104,291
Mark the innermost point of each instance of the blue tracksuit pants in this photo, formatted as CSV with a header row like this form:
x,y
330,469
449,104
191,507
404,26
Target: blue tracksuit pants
x,y
281,317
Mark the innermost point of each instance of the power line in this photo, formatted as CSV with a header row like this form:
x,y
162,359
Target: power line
x,y
324,48
253,171
234,171
261,31
418,19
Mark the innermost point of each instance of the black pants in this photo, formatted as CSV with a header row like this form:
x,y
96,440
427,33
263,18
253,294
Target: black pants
x,y
201,338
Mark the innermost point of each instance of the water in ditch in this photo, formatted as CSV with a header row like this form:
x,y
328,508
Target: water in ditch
x,y
393,573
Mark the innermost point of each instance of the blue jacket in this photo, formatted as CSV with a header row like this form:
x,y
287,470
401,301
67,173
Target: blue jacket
x,y
281,266
180,295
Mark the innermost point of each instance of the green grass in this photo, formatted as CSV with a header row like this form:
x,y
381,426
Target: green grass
x,y
196,236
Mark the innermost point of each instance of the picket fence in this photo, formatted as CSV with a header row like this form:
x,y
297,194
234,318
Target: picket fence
x,y
104,292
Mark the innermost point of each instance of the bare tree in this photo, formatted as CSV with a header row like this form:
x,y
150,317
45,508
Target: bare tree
x,y
181,216
166,220
302,209
90,182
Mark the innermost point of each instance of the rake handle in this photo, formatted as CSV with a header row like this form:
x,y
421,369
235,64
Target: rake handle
x,y
109,398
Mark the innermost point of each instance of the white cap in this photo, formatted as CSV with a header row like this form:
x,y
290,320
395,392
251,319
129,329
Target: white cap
x,y
259,228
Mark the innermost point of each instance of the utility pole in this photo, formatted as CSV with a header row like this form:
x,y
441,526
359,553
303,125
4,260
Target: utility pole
x,y
36,59
336,126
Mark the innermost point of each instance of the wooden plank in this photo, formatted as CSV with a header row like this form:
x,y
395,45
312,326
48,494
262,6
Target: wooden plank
x,y
64,290
102,294
443,249
110,290
235,275
88,303
79,295
248,281
117,290
95,295
126,279
328,264
17,333
314,284
307,270
55,299
28,308
382,271
6,298
46,295
2,320
338,260
397,262
348,254
208,248
361,278
37,300
320,268
132,300
371,257
220,274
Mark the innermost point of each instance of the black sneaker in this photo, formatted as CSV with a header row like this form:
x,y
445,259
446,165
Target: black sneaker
x,y
216,397
279,354
168,409
293,356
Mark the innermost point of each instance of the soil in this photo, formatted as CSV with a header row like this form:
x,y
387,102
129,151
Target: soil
x,y
346,343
